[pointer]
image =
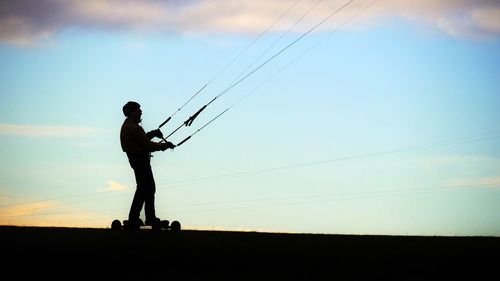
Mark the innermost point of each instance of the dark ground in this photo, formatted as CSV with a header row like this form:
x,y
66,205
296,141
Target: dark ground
x,y
72,253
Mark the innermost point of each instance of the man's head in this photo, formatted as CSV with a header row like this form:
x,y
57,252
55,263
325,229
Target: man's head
x,y
133,110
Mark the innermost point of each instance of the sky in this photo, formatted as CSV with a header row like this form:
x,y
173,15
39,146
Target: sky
x,y
356,117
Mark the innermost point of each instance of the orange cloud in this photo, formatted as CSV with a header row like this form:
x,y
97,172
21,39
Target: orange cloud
x,y
20,210
59,215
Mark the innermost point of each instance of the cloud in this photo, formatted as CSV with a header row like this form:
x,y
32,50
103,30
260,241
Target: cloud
x,y
492,181
481,171
27,22
48,131
441,162
32,214
459,18
480,182
20,210
115,186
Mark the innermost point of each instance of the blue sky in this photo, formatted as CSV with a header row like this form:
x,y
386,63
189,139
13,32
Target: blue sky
x,y
387,125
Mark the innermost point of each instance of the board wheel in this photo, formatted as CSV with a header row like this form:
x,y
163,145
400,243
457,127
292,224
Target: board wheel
x,y
116,225
175,226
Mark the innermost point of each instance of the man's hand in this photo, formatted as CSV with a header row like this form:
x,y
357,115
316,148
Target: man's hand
x,y
155,133
166,145
170,145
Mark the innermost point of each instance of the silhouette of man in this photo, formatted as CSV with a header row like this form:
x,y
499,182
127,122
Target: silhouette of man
x,y
138,145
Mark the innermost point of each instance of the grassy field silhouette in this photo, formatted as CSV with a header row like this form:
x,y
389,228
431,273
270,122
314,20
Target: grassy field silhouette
x,y
77,253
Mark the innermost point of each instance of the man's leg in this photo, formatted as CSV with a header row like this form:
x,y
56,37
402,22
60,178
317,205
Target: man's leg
x,y
149,196
136,207
141,178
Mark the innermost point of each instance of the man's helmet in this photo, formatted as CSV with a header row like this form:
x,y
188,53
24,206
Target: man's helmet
x,y
130,107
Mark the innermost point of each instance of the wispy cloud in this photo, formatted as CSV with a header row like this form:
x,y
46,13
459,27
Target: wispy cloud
x,y
48,131
441,162
480,182
116,186
27,22
20,210
485,170
35,214
459,18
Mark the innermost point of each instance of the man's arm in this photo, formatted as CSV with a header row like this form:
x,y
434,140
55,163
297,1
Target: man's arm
x,y
154,133
143,141
147,144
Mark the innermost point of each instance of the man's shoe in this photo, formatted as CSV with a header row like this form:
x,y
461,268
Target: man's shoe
x,y
157,224
153,221
133,224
